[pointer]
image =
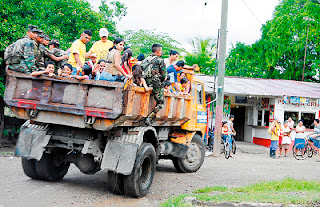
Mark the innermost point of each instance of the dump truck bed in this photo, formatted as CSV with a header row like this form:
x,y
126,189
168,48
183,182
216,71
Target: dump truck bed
x,y
101,105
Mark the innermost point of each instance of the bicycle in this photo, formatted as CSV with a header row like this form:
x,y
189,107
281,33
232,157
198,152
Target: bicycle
x,y
225,149
303,150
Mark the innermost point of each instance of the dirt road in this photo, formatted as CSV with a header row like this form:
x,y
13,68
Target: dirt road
x,y
77,189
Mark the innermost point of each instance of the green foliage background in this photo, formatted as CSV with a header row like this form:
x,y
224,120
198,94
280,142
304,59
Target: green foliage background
x,y
279,53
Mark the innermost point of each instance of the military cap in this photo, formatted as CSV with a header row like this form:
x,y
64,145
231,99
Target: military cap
x,y
33,28
41,33
46,37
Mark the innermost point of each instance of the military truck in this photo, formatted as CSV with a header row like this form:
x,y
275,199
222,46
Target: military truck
x,y
98,125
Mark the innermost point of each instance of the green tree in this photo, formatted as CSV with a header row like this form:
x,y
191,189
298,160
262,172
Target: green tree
x,y
140,41
203,55
280,51
63,20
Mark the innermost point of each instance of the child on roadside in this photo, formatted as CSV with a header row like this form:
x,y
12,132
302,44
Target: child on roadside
x,y
138,80
49,69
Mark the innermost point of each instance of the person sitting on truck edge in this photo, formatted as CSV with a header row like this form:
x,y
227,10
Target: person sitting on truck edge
x,y
138,79
49,69
167,87
66,71
101,47
182,86
85,73
114,71
78,51
125,60
21,58
174,70
188,85
155,74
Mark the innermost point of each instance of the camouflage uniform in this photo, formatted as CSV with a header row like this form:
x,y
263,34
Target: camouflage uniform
x,y
23,59
58,53
155,80
40,54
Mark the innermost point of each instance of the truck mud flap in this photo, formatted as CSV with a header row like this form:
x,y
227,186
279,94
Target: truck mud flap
x,y
32,141
179,150
119,157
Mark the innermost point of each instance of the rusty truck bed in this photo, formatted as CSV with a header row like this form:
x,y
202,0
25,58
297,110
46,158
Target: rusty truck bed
x,y
70,102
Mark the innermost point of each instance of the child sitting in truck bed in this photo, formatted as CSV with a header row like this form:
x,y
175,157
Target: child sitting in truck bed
x,y
49,69
66,71
137,78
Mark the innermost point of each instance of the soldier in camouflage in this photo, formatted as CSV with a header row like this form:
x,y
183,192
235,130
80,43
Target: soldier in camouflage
x,y
155,78
42,52
23,57
56,51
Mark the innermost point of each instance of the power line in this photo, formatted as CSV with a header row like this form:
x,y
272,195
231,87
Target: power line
x,y
251,12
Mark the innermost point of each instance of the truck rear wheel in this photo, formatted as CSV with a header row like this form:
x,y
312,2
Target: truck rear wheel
x,y
194,158
52,167
29,168
115,183
138,183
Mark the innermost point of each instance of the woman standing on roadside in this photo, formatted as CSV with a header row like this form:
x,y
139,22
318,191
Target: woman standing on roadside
x,y
300,129
286,139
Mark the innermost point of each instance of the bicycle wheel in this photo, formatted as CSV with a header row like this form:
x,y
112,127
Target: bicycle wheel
x,y
300,151
234,147
309,150
226,150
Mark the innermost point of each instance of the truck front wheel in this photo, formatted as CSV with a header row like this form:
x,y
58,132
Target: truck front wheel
x,y
138,183
194,158
29,168
52,167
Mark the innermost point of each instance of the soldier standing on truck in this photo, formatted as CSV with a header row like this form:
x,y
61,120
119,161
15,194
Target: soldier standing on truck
x,y
21,54
155,73
54,48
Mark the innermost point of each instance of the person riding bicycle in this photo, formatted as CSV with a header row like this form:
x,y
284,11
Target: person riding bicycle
x,y
315,136
226,135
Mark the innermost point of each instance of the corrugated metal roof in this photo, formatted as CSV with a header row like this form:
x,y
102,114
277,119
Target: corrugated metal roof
x,y
263,87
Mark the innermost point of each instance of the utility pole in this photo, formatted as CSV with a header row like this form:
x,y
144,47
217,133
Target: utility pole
x,y
221,73
305,54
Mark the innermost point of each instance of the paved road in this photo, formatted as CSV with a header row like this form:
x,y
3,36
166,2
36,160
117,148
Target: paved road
x,y
250,165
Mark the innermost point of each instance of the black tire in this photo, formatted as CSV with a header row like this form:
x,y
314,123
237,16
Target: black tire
x,y
115,183
194,158
51,167
234,147
302,151
226,150
29,168
138,183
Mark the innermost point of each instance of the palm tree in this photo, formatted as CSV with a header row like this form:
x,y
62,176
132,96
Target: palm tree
x,y
204,46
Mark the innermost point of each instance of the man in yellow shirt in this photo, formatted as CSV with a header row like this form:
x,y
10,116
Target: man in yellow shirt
x,y
275,133
102,46
78,50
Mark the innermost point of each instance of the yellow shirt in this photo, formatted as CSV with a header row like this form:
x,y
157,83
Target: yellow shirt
x,y
101,48
277,129
80,48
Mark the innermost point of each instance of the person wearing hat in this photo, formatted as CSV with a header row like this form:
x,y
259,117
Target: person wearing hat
x,y
23,57
102,46
41,52
54,49
46,40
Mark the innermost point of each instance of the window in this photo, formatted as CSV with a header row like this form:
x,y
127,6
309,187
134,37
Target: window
x,y
293,114
266,118
199,93
308,119
259,118
193,90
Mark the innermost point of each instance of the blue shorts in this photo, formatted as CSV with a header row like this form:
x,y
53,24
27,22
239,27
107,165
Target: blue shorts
x,y
274,145
298,141
229,138
109,77
316,143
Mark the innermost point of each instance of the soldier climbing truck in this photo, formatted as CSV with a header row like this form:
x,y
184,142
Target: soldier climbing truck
x,y
98,125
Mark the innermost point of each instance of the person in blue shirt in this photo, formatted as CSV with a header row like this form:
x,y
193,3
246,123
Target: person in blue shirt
x,y
174,70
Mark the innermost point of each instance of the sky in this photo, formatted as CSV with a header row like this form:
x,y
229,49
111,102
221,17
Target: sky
x,y
185,19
